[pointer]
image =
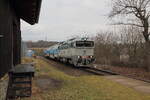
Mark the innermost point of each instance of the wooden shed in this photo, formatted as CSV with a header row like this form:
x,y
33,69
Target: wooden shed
x,y
11,11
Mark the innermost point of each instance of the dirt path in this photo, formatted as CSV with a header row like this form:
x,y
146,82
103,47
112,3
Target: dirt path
x,y
138,85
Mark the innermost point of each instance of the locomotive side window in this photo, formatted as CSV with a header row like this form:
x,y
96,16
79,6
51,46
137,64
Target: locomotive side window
x,y
84,44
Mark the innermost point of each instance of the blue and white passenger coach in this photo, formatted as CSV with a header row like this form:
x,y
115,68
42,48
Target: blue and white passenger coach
x,y
76,51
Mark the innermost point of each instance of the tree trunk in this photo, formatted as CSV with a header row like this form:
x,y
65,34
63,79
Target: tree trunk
x,y
147,56
147,45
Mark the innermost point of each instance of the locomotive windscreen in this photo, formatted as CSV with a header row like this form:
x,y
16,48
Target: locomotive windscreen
x,y
84,44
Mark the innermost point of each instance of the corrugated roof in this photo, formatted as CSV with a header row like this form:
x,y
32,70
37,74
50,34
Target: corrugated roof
x,y
28,10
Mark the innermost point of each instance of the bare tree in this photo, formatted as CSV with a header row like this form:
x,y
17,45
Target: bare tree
x,y
139,11
133,42
106,51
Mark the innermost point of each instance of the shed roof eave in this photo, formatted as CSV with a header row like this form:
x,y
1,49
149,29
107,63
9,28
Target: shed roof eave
x,y
28,10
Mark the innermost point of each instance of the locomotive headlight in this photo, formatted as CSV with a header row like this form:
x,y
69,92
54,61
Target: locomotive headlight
x,y
91,56
78,56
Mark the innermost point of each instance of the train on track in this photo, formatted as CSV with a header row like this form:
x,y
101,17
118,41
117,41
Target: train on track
x,y
75,51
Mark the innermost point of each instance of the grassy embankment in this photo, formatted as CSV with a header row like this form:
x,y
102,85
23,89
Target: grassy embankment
x,y
89,87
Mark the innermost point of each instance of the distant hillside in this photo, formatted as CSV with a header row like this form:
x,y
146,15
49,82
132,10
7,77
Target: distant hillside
x,y
40,44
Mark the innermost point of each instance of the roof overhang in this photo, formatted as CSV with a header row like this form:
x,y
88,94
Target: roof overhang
x,y
28,10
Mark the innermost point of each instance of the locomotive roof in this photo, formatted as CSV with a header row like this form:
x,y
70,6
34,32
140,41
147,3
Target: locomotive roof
x,y
28,10
79,39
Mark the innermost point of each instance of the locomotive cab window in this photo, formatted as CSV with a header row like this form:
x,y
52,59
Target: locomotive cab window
x,y
84,44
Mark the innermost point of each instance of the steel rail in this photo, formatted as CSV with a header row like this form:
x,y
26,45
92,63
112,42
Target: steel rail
x,y
103,72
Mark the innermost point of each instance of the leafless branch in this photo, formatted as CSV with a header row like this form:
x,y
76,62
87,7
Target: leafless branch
x,y
138,8
128,24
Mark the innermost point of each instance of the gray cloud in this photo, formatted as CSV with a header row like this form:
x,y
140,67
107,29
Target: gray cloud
x,y
60,19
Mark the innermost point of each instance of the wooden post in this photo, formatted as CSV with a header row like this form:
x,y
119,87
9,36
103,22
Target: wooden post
x,y
16,41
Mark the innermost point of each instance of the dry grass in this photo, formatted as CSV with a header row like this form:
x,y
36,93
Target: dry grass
x,y
66,87
38,51
3,87
27,60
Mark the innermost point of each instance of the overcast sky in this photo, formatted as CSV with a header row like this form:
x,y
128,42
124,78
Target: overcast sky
x,y
62,19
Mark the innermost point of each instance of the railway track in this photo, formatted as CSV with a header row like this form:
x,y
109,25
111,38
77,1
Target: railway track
x,y
91,70
97,71
108,72
103,72
140,79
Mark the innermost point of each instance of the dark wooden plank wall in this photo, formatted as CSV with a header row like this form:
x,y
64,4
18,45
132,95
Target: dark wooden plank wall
x,y
10,36
16,41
